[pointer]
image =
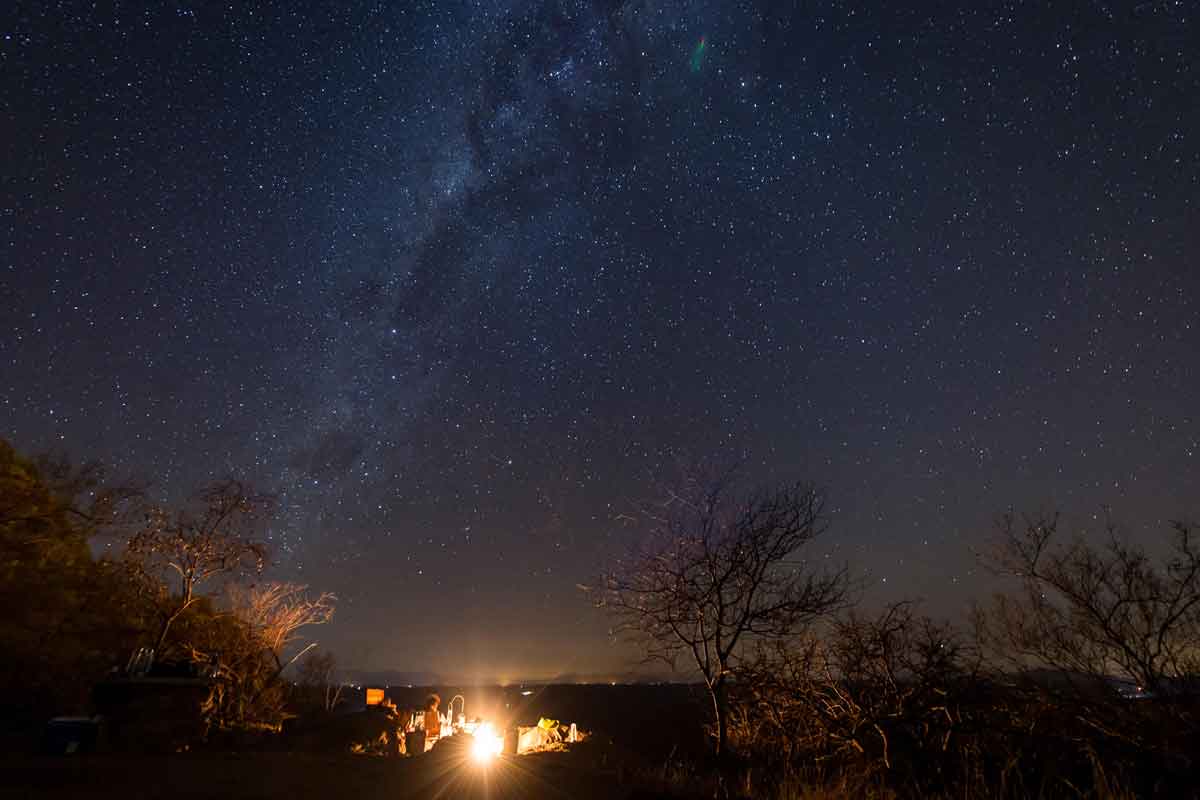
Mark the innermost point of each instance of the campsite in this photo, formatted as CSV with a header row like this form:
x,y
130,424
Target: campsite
x,y
626,399
629,728
177,670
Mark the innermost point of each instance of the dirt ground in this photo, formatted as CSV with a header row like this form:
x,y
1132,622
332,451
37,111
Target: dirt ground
x,y
598,768
284,776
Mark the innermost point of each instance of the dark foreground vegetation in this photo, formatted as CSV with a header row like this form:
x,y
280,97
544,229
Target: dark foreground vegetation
x,y
304,775
1081,681
181,593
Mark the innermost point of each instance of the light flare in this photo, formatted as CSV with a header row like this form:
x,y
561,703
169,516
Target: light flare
x,y
487,745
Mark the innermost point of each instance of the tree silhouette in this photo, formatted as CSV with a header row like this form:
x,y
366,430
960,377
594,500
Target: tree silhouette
x,y
175,554
718,571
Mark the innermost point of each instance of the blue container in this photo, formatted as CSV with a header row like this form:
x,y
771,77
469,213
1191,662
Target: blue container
x,y
66,736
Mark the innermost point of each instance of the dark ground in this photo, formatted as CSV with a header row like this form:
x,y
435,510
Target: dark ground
x,y
633,727
276,776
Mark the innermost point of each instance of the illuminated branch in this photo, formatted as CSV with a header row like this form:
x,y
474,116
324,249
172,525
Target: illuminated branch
x,y
176,553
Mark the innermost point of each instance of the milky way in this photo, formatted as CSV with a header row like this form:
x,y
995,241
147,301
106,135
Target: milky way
x,y
462,281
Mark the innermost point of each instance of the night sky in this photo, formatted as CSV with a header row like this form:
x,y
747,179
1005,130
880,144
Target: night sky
x,y
462,281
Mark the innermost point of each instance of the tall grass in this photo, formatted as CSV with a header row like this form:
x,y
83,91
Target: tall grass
x,y
682,780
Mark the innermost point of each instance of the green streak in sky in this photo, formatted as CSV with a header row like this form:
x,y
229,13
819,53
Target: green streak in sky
x,y
698,54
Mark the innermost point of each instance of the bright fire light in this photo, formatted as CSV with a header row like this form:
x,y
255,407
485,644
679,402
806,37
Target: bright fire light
x,y
487,744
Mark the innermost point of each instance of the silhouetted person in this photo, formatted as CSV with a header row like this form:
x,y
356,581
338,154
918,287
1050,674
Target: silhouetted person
x,y
433,722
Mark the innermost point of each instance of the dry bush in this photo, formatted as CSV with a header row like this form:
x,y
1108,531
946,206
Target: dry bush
x,y
1036,704
1099,646
882,693
248,647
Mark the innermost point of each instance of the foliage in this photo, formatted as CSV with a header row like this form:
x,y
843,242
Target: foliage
x,y
71,618
36,531
64,612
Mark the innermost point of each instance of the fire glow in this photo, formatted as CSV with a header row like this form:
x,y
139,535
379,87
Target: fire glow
x,y
487,744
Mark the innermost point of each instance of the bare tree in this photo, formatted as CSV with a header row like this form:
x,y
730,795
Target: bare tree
x,y
176,553
1097,610
1091,628
96,505
717,571
317,676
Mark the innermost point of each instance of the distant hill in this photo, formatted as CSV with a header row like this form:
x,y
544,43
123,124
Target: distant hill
x,y
392,677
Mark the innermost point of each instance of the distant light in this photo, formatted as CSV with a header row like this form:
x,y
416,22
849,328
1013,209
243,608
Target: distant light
x,y
526,693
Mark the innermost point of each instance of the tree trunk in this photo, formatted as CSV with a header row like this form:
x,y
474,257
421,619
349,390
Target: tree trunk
x,y
720,698
162,635
170,618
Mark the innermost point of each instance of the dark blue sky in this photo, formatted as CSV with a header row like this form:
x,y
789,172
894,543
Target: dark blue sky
x,y
462,280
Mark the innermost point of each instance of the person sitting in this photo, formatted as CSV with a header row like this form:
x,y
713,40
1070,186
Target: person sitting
x,y
393,736
433,721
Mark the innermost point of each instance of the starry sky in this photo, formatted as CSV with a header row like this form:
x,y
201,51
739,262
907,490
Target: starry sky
x,y
462,280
